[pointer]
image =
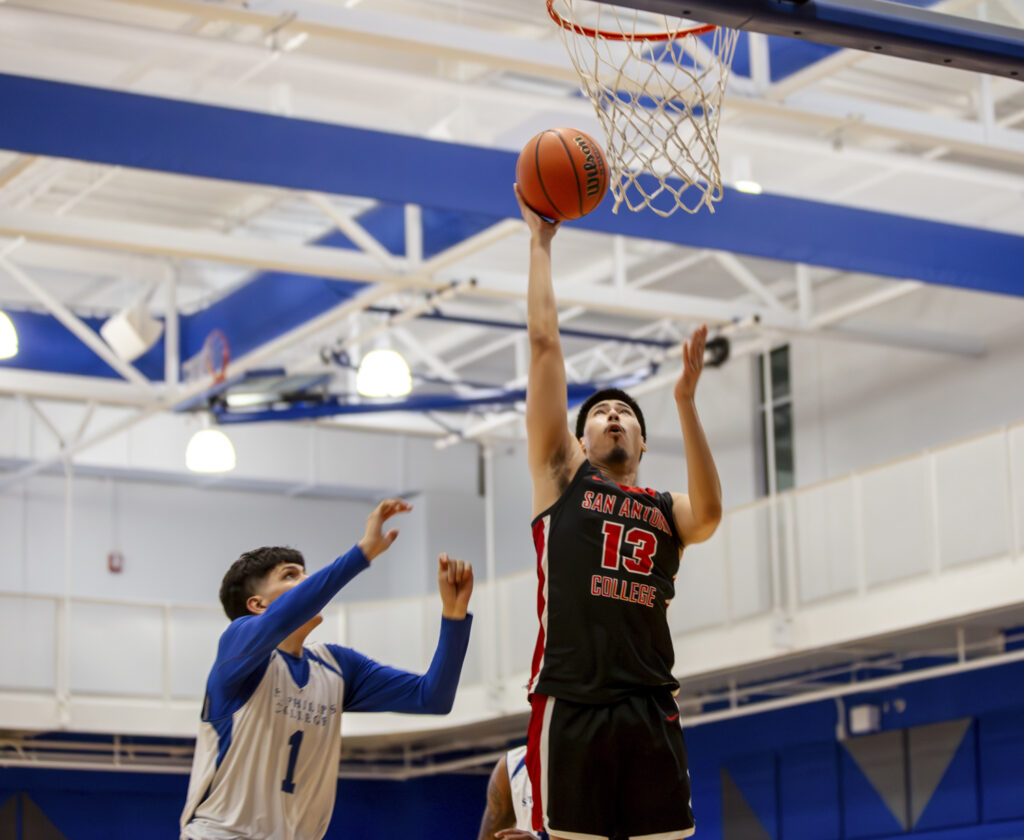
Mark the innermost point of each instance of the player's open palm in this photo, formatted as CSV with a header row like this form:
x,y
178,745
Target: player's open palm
x,y
693,364
376,540
455,583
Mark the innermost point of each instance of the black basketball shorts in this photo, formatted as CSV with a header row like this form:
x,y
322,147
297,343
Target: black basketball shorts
x,y
609,772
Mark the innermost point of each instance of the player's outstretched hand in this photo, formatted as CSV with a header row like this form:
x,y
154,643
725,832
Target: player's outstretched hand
x,y
455,583
540,228
375,540
693,364
515,834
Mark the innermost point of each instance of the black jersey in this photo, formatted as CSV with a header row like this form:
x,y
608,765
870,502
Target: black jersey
x,y
607,557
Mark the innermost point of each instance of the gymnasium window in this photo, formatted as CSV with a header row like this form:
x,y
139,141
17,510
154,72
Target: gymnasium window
x,y
781,404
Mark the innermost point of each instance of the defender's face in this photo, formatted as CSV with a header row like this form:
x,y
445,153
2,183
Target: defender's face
x,y
612,433
279,580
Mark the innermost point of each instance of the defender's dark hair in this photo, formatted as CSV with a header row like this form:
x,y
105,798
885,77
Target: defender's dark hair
x,y
247,571
608,394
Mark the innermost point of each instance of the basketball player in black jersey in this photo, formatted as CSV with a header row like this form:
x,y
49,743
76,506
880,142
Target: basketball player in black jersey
x,y
605,748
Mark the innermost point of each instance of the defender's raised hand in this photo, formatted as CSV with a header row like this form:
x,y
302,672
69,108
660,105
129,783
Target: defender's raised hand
x,y
375,540
455,583
693,364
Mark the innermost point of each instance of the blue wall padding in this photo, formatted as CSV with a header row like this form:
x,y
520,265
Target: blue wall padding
x,y
45,344
809,790
1001,745
441,228
865,813
269,306
754,776
52,118
955,801
130,806
101,806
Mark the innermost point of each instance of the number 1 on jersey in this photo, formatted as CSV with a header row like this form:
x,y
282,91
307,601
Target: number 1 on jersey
x,y
288,785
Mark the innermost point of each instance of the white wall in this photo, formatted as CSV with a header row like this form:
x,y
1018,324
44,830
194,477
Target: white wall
x,y
177,541
857,405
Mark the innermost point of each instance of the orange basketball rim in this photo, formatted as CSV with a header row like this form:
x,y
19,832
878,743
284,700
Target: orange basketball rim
x,y
614,35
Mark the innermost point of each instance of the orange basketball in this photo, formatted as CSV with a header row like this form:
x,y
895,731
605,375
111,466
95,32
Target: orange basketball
x,y
562,173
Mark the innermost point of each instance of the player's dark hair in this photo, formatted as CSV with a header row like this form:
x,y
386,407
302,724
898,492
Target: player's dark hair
x,y
601,396
247,571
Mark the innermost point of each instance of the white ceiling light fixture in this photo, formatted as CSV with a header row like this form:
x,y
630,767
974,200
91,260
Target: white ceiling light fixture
x,y
8,337
210,451
383,373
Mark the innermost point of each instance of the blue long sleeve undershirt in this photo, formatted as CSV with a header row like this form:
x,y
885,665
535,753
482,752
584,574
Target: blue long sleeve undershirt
x,y
246,648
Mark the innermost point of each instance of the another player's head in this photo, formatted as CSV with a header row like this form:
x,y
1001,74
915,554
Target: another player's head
x,y
258,577
610,427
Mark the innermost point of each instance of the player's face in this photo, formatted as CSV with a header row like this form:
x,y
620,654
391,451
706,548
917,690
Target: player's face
x,y
612,433
280,579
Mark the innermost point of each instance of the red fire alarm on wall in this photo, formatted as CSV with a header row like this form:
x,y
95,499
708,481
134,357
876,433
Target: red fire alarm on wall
x,y
115,562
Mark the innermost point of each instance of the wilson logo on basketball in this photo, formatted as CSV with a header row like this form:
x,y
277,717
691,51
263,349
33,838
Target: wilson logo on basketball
x,y
593,166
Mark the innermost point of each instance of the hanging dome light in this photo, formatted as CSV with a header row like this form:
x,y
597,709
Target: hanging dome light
x,y
383,373
8,337
210,451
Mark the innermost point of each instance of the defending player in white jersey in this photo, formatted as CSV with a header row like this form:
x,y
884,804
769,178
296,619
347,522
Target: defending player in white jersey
x,y
509,800
266,759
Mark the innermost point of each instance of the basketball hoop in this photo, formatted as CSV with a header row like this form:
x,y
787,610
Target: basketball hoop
x,y
658,96
211,361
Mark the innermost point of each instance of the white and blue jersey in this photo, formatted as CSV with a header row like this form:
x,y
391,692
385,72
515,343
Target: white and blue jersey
x,y
266,759
519,784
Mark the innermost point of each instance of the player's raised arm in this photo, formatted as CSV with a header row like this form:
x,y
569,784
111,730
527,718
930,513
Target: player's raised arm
x,y
698,512
549,442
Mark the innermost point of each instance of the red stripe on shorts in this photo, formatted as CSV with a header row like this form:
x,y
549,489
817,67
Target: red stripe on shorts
x,y
534,733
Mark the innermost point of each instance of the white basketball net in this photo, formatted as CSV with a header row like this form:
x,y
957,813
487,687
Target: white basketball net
x,y
659,101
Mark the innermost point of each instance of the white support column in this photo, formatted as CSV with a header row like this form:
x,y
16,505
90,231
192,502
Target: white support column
x,y
804,293
413,236
492,673
773,489
619,261
172,331
760,67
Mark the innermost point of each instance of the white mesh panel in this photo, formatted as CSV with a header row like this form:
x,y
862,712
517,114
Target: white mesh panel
x,y
27,660
116,649
194,633
974,509
897,522
749,561
825,541
393,632
700,587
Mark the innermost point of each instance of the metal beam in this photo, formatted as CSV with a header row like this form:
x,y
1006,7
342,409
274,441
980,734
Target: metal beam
x,y
68,318
883,28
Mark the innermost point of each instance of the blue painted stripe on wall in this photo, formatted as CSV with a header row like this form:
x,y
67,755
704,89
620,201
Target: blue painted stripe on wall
x,y
63,120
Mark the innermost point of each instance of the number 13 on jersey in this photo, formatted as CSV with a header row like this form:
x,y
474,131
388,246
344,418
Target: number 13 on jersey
x,y
643,542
